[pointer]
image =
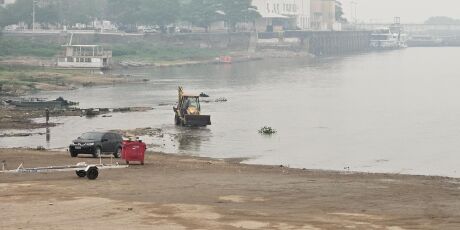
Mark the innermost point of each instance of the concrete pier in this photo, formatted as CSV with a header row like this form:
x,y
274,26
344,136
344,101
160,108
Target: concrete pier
x,y
319,43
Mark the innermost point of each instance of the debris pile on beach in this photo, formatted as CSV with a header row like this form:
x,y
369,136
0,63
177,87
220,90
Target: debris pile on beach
x,y
266,130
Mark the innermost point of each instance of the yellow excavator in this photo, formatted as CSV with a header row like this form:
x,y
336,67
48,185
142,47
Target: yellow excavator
x,y
187,112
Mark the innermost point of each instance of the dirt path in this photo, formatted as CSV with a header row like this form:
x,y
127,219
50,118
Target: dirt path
x,y
173,192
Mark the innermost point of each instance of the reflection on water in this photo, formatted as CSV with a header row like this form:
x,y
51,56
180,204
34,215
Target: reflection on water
x,y
48,135
190,139
380,112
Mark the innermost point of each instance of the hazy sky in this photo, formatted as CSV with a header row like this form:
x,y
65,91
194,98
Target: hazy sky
x,y
408,10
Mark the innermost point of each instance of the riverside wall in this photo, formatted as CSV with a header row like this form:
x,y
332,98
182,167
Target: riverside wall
x,y
320,43
186,40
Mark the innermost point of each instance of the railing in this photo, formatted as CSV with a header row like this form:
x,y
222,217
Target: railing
x,y
77,53
88,53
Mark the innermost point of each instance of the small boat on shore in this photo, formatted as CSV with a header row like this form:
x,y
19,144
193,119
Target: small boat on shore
x,y
58,103
225,59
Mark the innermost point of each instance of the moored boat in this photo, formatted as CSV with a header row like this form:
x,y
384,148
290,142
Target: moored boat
x,y
383,38
424,41
392,37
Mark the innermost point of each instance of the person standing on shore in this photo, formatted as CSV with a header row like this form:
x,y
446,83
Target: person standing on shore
x,y
47,114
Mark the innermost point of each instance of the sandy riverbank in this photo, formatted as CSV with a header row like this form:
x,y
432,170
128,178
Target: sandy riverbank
x,y
22,80
180,192
13,118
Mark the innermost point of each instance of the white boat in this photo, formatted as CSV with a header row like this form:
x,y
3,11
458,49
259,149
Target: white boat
x,y
384,38
84,56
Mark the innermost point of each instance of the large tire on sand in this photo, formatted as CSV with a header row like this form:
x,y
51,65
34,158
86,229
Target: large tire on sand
x,y
92,173
81,173
117,154
73,154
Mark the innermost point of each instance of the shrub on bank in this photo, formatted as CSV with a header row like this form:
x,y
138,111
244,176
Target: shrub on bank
x,y
149,52
15,47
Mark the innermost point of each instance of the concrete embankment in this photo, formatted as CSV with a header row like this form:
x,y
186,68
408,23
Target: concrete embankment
x,y
186,40
314,42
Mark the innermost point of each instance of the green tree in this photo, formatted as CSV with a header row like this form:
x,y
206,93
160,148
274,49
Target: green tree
x,y
66,12
236,11
202,13
78,11
339,14
47,14
3,18
20,11
124,12
147,12
440,20
159,12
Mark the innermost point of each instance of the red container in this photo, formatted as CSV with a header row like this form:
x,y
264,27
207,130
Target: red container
x,y
133,151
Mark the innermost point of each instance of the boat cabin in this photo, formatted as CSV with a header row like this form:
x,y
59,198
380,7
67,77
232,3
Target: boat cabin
x,y
85,56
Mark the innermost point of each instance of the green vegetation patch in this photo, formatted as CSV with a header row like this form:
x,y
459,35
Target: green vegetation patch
x,y
18,80
148,52
19,47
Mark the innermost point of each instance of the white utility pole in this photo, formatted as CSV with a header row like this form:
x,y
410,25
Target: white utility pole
x,y
33,16
353,6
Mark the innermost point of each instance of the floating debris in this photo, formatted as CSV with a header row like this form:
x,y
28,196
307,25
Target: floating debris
x,y
203,94
221,99
92,112
266,130
149,131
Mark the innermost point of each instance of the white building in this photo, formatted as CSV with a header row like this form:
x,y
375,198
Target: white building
x,y
4,3
287,14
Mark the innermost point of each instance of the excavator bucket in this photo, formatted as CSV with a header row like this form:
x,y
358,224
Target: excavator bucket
x,y
197,120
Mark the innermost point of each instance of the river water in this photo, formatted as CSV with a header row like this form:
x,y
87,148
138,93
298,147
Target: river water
x,y
392,112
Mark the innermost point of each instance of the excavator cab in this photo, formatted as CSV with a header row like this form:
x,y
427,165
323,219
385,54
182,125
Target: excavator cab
x,y
188,111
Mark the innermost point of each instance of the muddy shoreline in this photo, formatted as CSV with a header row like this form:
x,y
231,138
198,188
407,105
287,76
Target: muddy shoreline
x,y
181,192
14,118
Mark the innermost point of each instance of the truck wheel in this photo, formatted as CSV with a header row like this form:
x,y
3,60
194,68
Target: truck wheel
x,y
92,173
97,152
73,154
177,120
81,173
117,154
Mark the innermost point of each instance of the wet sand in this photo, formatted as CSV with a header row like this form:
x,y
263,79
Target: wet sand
x,y
13,118
181,192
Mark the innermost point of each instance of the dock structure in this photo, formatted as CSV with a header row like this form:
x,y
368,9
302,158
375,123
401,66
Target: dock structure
x,y
319,43
332,43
